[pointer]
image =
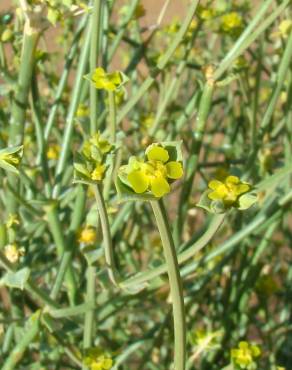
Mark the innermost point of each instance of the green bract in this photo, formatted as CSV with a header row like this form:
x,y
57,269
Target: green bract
x,y
91,163
150,177
10,158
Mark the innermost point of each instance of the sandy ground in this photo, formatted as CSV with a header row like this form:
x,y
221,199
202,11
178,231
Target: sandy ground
x,y
175,8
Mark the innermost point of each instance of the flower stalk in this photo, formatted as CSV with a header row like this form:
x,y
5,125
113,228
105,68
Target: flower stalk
x,y
175,283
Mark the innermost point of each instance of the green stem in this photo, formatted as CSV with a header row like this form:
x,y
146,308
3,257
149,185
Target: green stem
x,y
17,353
122,30
112,116
193,161
89,315
64,78
76,220
113,135
107,239
250,34
19,105
162,63
71,115
175,283
93,58
192,249
57,233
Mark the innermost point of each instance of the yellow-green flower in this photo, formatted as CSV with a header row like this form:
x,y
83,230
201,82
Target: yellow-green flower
x,y
155,173
204,341
90,164
6,35
13,252
285,27
10,158
13,219
205,13
82,111
95,359
228,190
244,356
98,173
53,151
232,23
106,81
87,235
101,143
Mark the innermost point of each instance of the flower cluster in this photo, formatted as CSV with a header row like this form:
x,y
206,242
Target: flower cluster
x,y
244,357
96,359
232,23
90,164
154,174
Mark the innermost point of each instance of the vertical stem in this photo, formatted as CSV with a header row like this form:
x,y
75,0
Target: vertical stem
x,y
71,114
19,106
112,116
17,353
175,283
107,239
57,233
89,315
113,131
76,220
193,161
93,58
162,63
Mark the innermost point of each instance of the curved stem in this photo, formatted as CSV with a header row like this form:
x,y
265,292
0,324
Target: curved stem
x,y
191,249
107,239
175,283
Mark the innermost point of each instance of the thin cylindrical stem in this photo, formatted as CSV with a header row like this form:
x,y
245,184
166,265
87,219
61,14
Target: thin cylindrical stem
x,y
107,239
175,283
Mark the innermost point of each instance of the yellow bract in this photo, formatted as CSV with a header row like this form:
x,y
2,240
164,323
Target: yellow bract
x,y
228,190
153,174
245,354
106,81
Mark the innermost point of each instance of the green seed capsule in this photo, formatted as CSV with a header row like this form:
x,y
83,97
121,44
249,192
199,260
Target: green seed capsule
x,y
6,18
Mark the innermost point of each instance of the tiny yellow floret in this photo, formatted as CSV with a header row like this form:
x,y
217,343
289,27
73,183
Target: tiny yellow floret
x,y
231,23
245,354
106,81
98,173
53,151
87,235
